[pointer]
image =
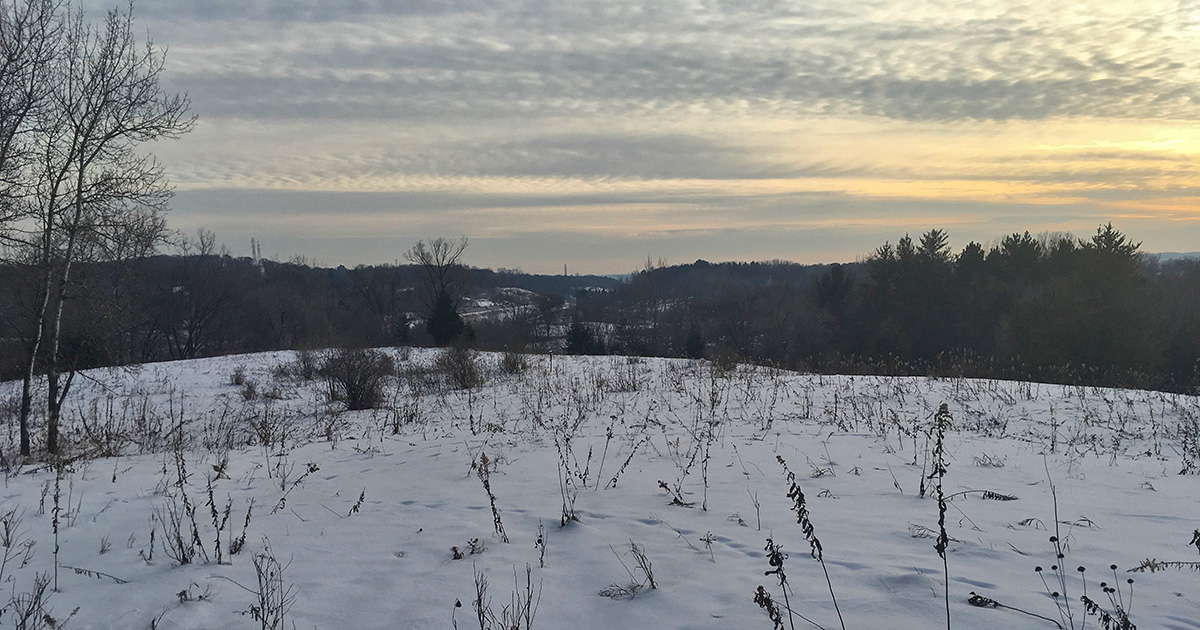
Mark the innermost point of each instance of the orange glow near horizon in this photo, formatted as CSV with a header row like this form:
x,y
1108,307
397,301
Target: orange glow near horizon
x,y
1115,170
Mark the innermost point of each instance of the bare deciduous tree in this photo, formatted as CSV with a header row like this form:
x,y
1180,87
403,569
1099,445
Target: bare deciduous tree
x,y
439,259
386,295
194,296
93,195
29,32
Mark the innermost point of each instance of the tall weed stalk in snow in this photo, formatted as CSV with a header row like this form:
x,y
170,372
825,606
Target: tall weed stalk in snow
x,y
12,540
800,507
58,471
236,544
1114,617
283,472
941,422
708,434
30,610
568,475
775,558
540,544
1058,586
177,515
219,519
484,472
643,563
517,615
684,461
273,595
635,585
612,483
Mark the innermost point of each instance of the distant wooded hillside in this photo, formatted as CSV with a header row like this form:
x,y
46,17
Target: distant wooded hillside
x,y
1051,307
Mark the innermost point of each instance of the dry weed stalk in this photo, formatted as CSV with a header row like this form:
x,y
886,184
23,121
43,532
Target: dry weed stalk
x,y
517,615
483,471
941,422
799,505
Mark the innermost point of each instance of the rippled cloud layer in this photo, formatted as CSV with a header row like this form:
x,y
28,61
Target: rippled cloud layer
x,y
807,130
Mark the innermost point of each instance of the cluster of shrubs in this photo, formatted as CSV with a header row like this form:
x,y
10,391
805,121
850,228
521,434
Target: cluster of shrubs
x,y
358,377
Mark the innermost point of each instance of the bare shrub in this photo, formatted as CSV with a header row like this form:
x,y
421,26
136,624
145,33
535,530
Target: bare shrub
x,y
222,431
13,539
513,362
461,367
269,424
177,516
420,378
725,359
30,610
356,376
305,367
517,615
405,411
635,584
103,431
273,597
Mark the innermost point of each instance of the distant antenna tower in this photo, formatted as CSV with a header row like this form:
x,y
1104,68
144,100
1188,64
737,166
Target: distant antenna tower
x,y
564,269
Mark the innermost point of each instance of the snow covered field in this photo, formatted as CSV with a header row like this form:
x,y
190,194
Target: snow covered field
x,y
382,519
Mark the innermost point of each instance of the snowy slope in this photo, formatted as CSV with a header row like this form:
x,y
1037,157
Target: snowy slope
x,y
630,440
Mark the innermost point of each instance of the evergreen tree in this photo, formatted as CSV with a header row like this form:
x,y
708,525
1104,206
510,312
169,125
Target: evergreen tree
x,y
444,324
581,340
694,346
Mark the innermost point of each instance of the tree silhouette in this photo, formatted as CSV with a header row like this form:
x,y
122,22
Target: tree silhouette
x,y
439,259
91,194
444,323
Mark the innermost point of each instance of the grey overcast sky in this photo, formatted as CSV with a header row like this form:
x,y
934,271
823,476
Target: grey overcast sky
x,y
595,134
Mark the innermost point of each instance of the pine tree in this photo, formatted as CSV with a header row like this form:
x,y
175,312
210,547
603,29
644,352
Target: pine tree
x,y
444,324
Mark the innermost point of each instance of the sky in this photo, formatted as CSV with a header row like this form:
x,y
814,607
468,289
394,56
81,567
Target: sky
x,y
597,134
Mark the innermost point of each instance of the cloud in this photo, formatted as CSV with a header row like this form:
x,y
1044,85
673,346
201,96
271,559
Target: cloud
x,y
636,118
351,228
421,61
618,155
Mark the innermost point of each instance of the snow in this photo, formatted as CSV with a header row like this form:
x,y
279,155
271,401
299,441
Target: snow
x,y
858,446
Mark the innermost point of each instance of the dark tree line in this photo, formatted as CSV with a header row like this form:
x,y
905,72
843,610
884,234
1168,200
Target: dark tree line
x,y
1051,308
204,302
